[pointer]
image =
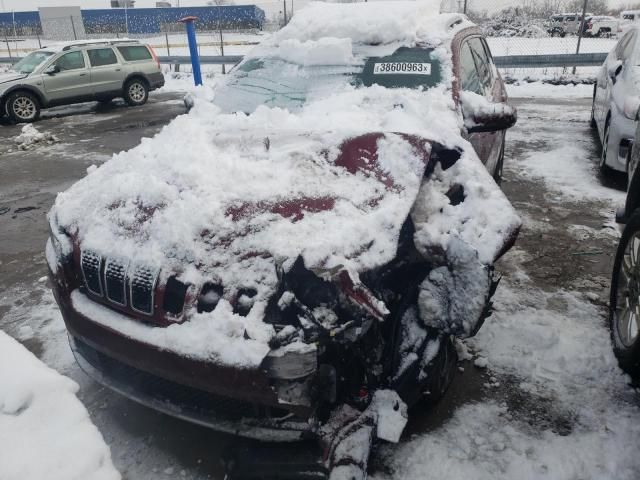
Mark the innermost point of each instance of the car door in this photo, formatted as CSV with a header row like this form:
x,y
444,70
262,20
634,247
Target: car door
x,y
606,81
479,75
71,80
107,74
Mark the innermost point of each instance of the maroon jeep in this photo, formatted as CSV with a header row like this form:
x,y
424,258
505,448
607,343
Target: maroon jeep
x,y
300,265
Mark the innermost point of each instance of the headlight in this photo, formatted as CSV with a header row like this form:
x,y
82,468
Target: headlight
x,y
60,242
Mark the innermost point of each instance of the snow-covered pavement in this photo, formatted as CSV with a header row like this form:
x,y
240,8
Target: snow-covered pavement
x,y
551,402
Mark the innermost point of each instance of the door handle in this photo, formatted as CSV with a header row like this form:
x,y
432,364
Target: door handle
x,y
118,69
83,74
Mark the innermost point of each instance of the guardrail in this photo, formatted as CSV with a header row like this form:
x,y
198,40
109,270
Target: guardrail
x,y
173,59
549,61
510,61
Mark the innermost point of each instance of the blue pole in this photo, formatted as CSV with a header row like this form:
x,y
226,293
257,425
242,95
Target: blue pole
x,y
193,49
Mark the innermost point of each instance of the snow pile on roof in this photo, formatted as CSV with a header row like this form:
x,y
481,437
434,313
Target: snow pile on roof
x,y
45,432
232,198
403,22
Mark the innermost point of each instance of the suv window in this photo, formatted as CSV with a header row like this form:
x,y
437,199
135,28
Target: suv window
x,y
131,54
102,56
70,61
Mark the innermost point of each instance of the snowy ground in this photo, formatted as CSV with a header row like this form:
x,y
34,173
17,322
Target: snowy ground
x,y
38,409
551,402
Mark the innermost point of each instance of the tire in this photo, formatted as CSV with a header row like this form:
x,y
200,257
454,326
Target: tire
x,y
497,174
592,122
136,92
563,34
605,169
624,302
22,107
443,369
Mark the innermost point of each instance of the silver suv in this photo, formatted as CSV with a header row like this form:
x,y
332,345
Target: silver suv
x,y
79,72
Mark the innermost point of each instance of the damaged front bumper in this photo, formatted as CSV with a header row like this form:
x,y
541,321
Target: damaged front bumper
x,y
193,405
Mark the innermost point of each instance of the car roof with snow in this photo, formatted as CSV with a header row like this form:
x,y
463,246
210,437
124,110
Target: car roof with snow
x,y
374,23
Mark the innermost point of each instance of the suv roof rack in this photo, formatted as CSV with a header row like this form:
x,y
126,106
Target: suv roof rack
x,y
82,43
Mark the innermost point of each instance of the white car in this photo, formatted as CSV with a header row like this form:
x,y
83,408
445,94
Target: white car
x,y
616,100
601,26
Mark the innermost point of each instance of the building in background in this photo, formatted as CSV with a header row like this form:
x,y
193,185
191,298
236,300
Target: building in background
x,y
68,23
61,23
163,5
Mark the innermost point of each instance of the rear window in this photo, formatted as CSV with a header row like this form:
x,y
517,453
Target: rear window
x,y
102,56
131,54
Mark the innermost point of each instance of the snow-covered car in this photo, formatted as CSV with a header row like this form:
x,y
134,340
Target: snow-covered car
x,y
294,259
601,26
624,301
616,102
564,24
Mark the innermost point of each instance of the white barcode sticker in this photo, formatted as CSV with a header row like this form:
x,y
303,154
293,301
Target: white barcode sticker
x,y
400,68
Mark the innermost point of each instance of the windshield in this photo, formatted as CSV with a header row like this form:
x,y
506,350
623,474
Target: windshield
x,y
276,83
32,61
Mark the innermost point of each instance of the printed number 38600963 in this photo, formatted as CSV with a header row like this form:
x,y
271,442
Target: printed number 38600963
x,y
406,68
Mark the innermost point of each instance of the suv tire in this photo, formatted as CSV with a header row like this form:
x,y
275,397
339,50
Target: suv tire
x,y
605,170
626,345
22,107
136,92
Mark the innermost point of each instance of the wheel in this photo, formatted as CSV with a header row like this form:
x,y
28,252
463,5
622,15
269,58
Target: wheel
x,y
442,370
592,122
415,381
563,34
497,174
22,107
603,167
136,92
624,306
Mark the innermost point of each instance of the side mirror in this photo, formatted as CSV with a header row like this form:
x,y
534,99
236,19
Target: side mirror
x,y
615,69
481,115
52,69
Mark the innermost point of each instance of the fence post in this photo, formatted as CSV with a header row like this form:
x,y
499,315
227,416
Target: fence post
x,y
166,38
39,42
218,14
193,48
73,26
581,32
6,39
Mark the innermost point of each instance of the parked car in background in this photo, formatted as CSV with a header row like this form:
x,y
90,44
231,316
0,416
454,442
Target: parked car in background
x,y
616,101
601,26
564,24
624,301
77,72
330,228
